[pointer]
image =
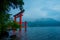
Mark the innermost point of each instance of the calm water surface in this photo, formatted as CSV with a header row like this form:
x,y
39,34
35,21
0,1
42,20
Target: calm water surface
x,y
43,33
40,33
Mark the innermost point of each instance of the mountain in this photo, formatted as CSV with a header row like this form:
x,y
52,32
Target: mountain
x,y
44,22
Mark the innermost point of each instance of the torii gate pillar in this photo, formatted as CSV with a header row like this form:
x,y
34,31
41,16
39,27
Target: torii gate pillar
x,y
20,21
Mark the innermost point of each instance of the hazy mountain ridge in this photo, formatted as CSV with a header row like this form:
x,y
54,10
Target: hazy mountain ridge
x,y
44,22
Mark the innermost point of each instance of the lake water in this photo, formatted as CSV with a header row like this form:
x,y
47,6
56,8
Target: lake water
x,y
40,33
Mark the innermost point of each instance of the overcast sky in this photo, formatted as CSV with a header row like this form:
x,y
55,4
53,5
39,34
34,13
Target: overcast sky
x,y
36,9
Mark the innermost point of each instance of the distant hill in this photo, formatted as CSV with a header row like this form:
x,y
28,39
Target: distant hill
x,y
44,22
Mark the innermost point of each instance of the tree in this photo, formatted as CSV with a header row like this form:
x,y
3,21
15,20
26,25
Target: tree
x,y
12,25
5,4
5,8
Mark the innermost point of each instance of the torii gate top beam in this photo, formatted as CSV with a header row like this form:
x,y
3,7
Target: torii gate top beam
x,y
19,14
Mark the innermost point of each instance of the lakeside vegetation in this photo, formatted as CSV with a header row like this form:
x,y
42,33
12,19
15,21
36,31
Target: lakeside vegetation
x,y
5,6
5,17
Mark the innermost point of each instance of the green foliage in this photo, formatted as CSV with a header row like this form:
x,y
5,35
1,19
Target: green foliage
x,y
3,27
13,24
6,4
5,8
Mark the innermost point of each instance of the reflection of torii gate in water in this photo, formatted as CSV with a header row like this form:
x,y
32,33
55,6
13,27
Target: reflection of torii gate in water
x,y
20,14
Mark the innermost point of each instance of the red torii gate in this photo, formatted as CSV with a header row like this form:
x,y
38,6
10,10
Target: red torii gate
x,y
20,14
